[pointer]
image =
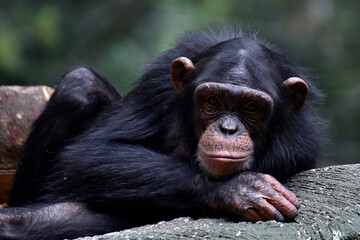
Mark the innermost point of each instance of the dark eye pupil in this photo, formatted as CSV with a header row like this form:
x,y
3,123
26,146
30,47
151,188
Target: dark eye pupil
x,y
252,107
213,101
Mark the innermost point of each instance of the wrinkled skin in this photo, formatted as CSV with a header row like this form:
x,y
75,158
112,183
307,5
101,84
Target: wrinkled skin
x,y
257,197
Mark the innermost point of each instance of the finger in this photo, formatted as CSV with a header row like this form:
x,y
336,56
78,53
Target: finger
x,y
268,211
282,190
287,194
282,204
251,215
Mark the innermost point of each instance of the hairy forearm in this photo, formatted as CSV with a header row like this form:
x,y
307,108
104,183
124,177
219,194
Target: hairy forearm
x,y
44,220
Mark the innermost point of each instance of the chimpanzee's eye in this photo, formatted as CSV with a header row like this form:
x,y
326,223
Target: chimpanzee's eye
x,y
212,105
252,108
252,111
213,101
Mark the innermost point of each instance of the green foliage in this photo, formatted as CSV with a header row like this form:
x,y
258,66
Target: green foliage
x,y
9,50
39,40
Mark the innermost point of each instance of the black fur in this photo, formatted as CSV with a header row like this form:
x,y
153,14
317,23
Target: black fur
x,y
114,162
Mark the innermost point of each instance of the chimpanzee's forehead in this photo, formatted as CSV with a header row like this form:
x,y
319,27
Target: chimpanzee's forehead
x,y
236,62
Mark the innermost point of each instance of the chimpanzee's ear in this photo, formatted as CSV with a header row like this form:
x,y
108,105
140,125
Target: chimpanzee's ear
x,y
179,69
298,90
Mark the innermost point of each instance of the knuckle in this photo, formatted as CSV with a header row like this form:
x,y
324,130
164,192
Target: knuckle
x,y
242,207
258,202
269,178
271,194
258,184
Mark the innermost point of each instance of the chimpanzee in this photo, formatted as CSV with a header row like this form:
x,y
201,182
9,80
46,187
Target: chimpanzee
x,y
207,130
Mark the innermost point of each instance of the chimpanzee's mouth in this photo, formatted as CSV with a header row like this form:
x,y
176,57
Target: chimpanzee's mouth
x,y
227,158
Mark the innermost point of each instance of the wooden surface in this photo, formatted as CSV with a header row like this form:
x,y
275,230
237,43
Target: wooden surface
x,y
19,107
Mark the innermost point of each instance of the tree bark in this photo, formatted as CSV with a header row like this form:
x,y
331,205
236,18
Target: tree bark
x,y
330,209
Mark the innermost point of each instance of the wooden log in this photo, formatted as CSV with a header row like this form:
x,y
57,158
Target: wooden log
x,y
19,107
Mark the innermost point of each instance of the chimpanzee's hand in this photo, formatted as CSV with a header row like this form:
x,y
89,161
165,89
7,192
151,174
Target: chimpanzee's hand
x,y
257,197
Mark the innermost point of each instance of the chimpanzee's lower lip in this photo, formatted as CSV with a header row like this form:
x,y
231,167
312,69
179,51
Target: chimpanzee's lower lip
x,y
228,158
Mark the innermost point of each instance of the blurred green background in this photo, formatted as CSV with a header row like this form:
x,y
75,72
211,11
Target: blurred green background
x,y
39,40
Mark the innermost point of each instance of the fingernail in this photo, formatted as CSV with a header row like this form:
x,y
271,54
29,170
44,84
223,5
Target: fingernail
x,y
279,217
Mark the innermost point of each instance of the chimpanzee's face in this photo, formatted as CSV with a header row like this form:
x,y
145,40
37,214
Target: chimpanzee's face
x,y
227,118
234,97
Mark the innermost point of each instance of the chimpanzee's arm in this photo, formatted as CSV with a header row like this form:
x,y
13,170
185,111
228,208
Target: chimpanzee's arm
x,y
133,179
127,185
126,175
53,221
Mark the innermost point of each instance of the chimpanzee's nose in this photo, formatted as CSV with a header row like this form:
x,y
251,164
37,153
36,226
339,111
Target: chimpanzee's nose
x,y
228,126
